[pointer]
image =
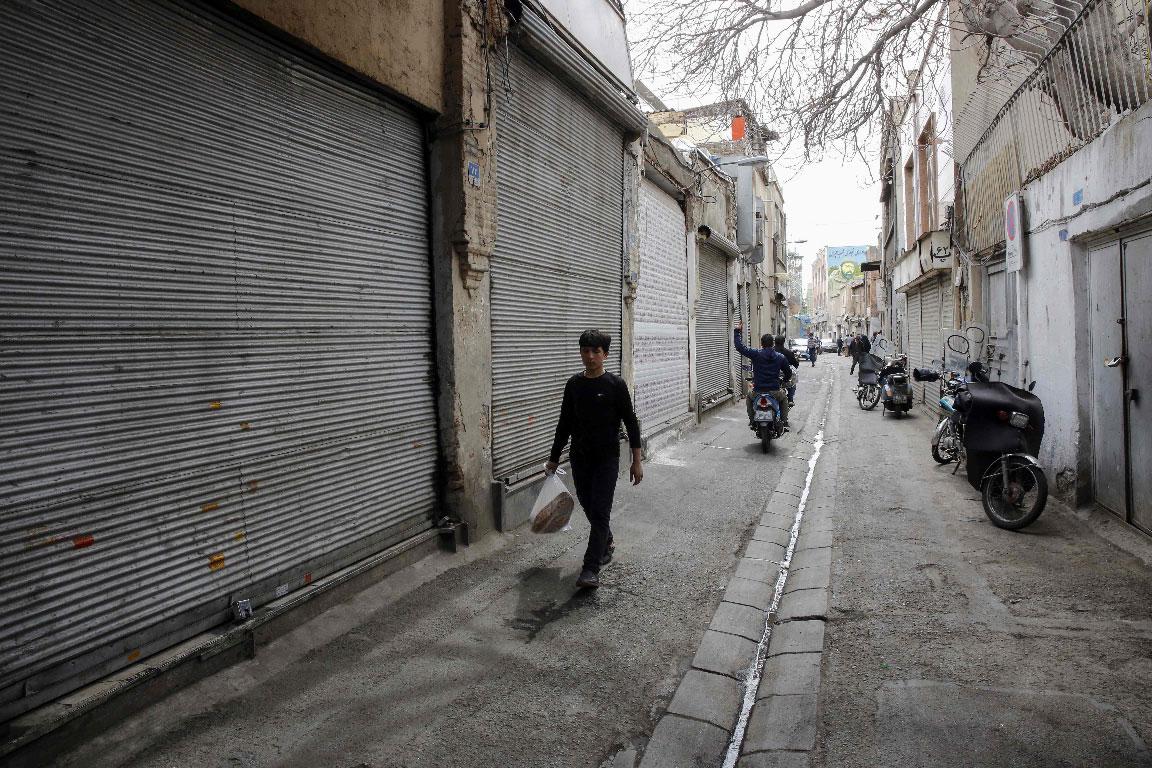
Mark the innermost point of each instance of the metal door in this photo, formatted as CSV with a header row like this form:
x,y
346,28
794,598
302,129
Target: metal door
x,y
558,263
1109,476
215,330
660,349
1138,394
713,328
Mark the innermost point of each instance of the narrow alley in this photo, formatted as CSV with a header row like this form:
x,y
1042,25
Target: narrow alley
x,y
947,640
319,319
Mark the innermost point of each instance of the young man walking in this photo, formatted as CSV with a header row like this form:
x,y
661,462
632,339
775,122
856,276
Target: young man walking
x,y
595,402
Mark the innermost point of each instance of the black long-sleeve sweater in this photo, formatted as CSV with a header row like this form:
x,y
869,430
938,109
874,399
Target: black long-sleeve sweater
x,y
591,416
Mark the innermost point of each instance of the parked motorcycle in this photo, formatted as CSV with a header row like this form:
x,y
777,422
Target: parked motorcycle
x,y
895,387
996,430
946,439
868,381
766,420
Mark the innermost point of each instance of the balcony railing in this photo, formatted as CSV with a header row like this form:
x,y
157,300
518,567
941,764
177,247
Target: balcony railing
x,y
1098,69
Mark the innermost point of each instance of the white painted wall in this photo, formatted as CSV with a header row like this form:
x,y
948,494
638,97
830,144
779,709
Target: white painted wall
x,y
1106,184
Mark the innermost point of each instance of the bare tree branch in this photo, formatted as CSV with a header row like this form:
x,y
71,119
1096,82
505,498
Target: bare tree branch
x,y
819,71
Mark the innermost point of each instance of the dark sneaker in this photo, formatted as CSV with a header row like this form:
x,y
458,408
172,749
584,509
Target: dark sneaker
x,y
609,551
588,580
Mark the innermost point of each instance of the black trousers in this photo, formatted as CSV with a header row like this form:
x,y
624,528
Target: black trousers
x,y
595,480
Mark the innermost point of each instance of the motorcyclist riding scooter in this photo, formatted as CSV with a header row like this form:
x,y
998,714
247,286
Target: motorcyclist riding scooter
x,y
768,401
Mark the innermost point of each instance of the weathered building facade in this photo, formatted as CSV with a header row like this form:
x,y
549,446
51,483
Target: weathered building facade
x,y
1054,232
287,289
917,205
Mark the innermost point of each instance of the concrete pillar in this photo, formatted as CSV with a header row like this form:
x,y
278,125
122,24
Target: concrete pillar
x,y
462,169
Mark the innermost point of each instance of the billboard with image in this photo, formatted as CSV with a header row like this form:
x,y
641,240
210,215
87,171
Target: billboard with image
x,y
844,266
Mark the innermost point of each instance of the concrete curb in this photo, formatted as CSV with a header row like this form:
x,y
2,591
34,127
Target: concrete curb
x,y
698,724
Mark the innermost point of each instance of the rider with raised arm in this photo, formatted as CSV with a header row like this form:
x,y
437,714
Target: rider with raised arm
x,y
767,365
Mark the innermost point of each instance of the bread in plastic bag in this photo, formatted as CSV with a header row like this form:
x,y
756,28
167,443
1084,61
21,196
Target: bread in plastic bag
x,y
553,508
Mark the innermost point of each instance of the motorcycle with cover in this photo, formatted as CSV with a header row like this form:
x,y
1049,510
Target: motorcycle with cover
x,y
996,430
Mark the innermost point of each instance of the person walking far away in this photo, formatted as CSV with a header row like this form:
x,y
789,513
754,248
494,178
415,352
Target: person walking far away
x,y
595,402
767,365
788,373
839,345
813,348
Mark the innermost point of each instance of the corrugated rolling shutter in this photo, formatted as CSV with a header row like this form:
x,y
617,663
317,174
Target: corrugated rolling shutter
x,y
948,327
660,348
746,319
215,325
915,336
931,322
558,262
713,327
947,309
933,344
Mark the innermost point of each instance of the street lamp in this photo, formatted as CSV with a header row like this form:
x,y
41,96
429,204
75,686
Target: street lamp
x,y
754,160
743,161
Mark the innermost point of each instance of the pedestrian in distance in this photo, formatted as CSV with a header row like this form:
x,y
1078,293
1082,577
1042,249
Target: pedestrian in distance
x,y
852,354
788,373
839,345
862,346
595,403
813,348
767,365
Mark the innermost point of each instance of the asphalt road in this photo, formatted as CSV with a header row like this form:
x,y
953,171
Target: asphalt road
x,y
953,643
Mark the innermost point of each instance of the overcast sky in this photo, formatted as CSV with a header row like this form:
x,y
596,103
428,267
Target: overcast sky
x,y
832,202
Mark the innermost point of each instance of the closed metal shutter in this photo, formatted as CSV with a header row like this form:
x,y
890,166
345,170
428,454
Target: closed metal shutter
x,y
915,336
947,310
948,327
931,323
558,262
746,319
713,327
933,344
661,311
215,325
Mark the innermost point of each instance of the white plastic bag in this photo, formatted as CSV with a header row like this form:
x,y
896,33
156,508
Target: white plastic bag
x,y
553,508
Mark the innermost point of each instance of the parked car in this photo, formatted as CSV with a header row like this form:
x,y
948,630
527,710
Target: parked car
x,y
800,346
828,344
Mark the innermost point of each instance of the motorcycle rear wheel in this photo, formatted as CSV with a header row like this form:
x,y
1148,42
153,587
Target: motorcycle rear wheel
x,y
869,396
1021,502
765,439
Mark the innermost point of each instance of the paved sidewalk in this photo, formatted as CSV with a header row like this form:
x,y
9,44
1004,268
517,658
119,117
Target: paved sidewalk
x,y
491,657
771,620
